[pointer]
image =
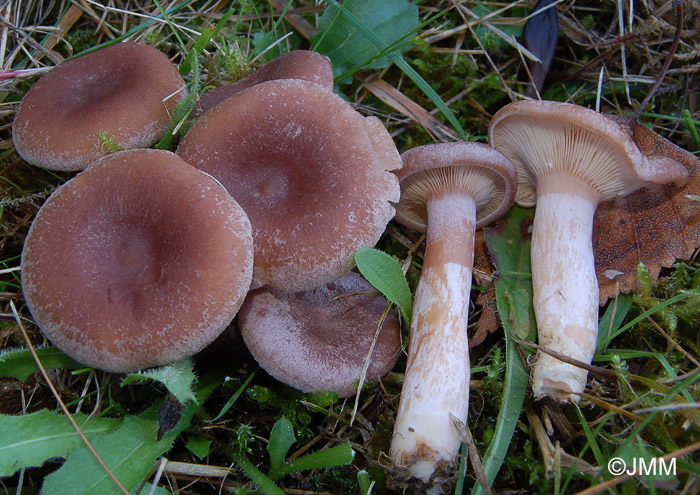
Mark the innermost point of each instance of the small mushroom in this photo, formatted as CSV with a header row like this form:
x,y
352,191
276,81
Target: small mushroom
x,y
138,261
121,96
448,190
569,159
318,340
310,171
297,64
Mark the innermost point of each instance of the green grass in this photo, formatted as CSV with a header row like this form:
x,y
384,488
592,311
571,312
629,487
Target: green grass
x,y
646,404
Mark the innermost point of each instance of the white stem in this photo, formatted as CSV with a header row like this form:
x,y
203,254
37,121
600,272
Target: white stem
x,y
565,286
436,382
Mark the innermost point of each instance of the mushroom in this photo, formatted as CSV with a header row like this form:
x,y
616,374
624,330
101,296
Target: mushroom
x,y
448,190
297,64
569,159
318,340
138,261
310,172
121,96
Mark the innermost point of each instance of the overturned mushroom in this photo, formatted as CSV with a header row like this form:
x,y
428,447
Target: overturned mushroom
x,y
297,64
140,260
319,339
121,96
310,172
448,190
569,159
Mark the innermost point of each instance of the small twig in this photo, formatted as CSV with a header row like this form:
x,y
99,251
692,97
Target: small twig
x,y
478,467
664,69
199,470
673,342
368,360
159,474
668,407
62,405
566,359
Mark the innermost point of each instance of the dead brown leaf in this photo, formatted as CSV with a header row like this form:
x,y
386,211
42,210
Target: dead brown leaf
x,y
655,225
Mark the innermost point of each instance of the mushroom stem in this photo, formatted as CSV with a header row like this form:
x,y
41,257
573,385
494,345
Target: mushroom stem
x,y
564,282
436,382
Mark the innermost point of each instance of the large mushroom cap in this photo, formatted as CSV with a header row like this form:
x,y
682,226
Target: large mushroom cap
x,y
297,64
318,340
300,162
138,261
470,167
545,137
127,92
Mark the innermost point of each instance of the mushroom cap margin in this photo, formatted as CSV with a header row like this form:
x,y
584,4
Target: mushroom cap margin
x,y
581,141
493,180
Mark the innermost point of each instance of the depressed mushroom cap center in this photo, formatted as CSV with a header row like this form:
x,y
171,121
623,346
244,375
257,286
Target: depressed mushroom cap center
x,y
301,163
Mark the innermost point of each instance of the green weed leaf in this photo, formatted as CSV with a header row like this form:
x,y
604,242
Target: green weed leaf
x,y
385,274
348,48
202,42
31,439
199,446
509,245
128,451
520,312
281,439
151,490
396,58
20,364
232,400
182,111
265,484
178,378
340,455
364,482
612,319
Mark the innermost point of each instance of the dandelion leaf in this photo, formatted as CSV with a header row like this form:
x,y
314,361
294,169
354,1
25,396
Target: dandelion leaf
x,y
178,378
31,439
129,452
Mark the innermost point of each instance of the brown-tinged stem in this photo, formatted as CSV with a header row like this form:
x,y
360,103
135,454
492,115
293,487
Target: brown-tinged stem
x,y
437,376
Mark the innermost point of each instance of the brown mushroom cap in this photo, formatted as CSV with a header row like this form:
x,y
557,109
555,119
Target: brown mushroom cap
x,y
476,168
300,162
543,137
318,340
140,260
297,64
127,91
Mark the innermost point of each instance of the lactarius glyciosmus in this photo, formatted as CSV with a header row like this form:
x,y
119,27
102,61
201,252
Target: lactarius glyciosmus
x,y
447,190
569,159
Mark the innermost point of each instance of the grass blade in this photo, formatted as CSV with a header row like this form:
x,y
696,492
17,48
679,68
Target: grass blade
x,y
340,455
405,67
512,255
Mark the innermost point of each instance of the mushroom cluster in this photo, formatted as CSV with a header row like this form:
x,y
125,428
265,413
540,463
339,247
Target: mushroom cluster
x,y
146,256
159,253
